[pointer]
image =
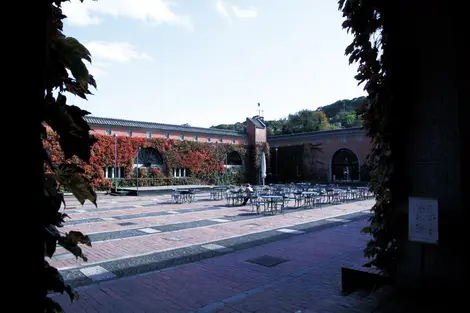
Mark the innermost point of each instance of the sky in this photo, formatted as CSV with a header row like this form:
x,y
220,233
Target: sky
x,y
209,62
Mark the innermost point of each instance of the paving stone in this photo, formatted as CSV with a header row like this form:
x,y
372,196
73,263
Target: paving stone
x,y
338,220
219,220
216,247
108,219
149,230
291,231
97,273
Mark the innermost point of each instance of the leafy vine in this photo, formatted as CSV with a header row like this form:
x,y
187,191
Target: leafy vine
x,y
65,54
203,160
366,20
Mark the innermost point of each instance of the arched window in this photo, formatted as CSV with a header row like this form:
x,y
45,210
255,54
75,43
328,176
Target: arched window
x,y
345,165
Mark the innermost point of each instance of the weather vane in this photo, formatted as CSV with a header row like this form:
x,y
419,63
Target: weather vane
x,y
260,112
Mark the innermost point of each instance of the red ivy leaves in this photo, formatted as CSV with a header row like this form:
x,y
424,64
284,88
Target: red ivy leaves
x,y
199,158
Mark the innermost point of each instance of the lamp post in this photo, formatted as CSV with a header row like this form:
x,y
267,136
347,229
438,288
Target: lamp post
x,y
115,161
277,168
137,170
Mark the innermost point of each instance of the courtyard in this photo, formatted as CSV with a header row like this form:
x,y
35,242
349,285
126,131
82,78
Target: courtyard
x,y
151,254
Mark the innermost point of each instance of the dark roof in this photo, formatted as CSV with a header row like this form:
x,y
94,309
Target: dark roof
x,y
105,121
334,132
257,122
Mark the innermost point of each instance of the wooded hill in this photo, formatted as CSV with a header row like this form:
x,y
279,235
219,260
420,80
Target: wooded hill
x,y
341,114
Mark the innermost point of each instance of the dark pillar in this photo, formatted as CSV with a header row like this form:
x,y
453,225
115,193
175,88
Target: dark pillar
x,y
429,96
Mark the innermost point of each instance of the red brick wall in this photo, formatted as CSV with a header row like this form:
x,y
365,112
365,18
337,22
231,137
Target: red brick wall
x,y
356,141
254,134
159,134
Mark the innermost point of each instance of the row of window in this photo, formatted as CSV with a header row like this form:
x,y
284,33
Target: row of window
x,y
167,136
111,172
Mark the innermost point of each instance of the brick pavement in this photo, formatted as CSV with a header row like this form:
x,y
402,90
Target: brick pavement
x,y
150,243
308,281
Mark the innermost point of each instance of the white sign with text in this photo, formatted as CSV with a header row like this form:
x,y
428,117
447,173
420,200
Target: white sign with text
x,y
423,220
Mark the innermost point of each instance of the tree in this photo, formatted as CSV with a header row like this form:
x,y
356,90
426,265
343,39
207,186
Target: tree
x,y
65,55
341,114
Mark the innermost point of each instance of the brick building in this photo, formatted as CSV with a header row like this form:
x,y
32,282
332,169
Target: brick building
x,y
336,155
333,155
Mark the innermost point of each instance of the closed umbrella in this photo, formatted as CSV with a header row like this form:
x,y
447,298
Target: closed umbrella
x,y
263,167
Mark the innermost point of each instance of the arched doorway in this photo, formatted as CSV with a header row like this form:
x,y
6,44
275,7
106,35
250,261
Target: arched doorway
x,y
234,159
148,157
344,166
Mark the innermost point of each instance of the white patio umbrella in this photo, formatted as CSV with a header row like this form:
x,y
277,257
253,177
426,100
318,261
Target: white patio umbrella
x,y
263,167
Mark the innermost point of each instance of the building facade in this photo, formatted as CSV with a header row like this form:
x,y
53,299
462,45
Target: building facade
x,y
333,155
336,155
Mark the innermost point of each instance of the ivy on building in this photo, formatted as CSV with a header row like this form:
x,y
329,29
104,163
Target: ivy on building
x,y
367,21
204,161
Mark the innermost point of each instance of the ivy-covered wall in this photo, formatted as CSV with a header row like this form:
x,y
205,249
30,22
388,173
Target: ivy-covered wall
x,y
204,161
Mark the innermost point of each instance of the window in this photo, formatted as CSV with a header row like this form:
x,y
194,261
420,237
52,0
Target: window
x,y
180,172
208,139
108,131
246,142
109,172
182,137
129,133
149,134
196,138
360,138
167,136
234,141
343,139
221,140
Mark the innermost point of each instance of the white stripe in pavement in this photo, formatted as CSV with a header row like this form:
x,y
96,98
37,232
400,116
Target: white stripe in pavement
x,y
290,231
219,220
172,212
337,220
79,211
108,219
137,206
149,230
200,243
97,273
215,247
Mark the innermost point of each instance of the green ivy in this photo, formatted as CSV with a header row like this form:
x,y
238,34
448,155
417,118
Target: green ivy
x,y
365,20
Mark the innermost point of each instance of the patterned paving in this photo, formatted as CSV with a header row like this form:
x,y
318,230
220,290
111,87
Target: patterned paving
x,y
298,274
135,235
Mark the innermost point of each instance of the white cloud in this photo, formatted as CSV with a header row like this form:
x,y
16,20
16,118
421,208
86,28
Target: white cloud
x,y
148,11
104,54
115,51
250,12
223,11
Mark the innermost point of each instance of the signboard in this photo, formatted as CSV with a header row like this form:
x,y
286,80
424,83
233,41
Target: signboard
x,y
423,220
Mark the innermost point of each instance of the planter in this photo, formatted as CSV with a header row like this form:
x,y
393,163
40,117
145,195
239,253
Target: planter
x,y
354,278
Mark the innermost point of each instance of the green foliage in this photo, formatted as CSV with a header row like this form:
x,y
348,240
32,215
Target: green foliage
x,y
65,53
365,20
341,114
239,127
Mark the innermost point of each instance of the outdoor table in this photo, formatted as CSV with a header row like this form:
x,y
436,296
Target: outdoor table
x,y
218,193
186,195
235,197
309,197
272,201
